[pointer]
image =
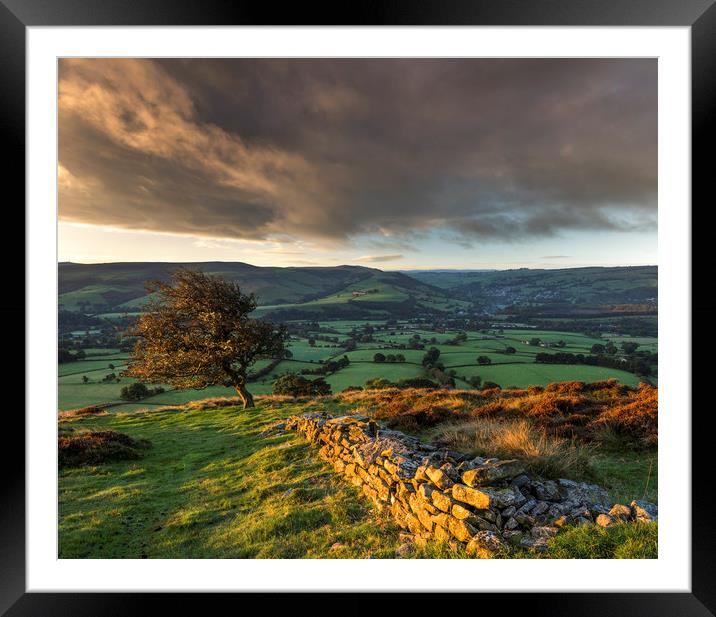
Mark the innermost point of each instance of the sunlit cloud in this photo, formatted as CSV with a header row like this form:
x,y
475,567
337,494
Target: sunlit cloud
x,y
379,258
341,156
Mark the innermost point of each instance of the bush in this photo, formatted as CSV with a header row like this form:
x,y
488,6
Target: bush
x,y
137,391
294,385
134,392
378,384
416,382
96,447
636,420
90,410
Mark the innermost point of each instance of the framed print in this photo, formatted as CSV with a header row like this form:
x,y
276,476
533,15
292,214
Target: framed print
x,y
360,308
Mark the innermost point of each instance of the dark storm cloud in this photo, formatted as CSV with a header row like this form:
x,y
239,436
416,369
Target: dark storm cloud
x,y
328,149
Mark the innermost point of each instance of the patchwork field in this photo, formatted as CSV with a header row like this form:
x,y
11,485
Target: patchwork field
x,y
515,369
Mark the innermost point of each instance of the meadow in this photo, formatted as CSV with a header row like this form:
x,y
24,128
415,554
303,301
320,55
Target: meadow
x,y
516,369
218,483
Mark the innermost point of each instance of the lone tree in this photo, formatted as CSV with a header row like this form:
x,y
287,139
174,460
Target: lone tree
x,y
196,332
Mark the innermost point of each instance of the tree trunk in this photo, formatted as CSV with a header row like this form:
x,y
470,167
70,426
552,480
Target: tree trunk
x,y
245,396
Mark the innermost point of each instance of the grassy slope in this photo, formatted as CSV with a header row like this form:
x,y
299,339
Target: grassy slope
x,y
122,284
196,494
213,487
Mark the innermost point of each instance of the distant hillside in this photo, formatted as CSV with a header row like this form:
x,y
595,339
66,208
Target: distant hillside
x,y
351,291
357,292
565,287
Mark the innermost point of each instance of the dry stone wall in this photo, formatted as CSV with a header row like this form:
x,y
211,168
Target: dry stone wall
x,y
481,504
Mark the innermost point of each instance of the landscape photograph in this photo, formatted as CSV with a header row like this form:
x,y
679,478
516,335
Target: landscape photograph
x,y
357,308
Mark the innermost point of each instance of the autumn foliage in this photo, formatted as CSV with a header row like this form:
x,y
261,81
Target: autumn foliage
x,y
568,409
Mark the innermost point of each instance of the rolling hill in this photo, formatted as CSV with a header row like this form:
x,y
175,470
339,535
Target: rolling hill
x,y
593,286
357,292
350,291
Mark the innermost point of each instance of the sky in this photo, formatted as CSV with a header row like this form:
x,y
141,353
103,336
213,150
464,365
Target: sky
x,y
387,163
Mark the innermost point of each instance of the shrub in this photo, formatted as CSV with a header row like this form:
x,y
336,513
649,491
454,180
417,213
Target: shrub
x,y
82,411
137,391
636,419
96,447
296,385
416,382
378,384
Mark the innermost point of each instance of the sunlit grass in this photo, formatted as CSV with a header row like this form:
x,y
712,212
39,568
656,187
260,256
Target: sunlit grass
x,y
214,486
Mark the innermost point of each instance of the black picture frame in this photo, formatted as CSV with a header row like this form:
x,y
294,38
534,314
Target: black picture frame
x,y
700,15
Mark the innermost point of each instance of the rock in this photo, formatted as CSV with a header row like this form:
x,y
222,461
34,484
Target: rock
x,y
443,501
512,537
526,507
560,521
413,524
425,519
425,491
540,508
511,525
604,520
420,473
487,515
524,519
441,519
485,545
493,472
546,491
597,509
505,497
581,512
620,512
441,534
554,511
462,530
404,550
472,496
581,492
483,524
449,470
544,532
439,478
645,511
508,512
521,481
459,511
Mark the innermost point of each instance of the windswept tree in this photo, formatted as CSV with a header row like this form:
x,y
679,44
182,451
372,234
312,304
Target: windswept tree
x,y
196,332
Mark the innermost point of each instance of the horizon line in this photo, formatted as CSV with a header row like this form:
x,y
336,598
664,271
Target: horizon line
x,y
350,265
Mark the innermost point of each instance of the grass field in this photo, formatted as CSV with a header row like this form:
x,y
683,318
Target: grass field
x,y
523,375
212,486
